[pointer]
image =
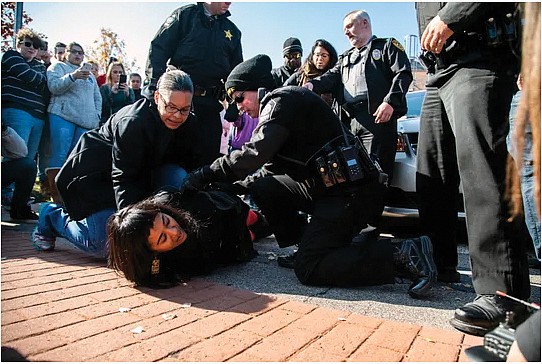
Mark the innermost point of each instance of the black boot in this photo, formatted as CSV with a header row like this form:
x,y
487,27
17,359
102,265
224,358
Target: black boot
x,y
485,313
414,260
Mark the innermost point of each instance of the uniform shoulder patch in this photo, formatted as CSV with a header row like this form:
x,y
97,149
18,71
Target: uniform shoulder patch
x,y
170,20
268,109
396,43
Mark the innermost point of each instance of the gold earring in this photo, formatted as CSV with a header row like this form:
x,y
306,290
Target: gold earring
x,y
155,267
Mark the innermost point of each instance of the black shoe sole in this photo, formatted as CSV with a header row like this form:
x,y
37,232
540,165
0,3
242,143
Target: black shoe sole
x,y
468,328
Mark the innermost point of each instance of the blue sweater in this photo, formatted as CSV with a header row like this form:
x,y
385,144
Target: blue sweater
x,y
24,84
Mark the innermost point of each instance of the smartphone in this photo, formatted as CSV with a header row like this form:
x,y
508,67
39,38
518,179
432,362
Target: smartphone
x,y
86,67
122,79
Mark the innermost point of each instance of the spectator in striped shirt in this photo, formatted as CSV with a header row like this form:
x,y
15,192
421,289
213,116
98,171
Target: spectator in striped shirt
x,y
25,95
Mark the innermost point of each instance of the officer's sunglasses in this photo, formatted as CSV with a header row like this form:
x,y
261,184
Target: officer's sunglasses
x,y
237,99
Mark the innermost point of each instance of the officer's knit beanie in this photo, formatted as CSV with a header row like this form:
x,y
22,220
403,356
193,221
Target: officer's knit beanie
x,y
292,45
251,75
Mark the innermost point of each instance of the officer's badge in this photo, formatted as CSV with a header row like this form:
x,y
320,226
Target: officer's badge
x,y
268,109
376,54
397,44
228,34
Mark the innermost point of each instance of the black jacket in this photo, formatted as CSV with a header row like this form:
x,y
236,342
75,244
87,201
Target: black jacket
x,y
294,124
205,48
281,75
111,166
387,72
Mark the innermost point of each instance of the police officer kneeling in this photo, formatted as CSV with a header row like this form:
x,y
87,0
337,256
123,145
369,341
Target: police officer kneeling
x,y
316,168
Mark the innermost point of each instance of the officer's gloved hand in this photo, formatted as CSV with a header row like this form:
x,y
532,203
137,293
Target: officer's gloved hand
x,y
232,113
198,179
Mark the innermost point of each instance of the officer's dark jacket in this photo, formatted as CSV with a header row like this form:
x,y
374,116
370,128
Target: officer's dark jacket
x,y
110,167
467,20
387,72
205,48
294,124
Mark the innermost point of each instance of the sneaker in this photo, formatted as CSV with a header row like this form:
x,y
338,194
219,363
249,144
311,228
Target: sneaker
x,y
42,243
485,313
26,216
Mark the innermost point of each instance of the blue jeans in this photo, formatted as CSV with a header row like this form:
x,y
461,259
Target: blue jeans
x,y
527,176
169,175
63,136
88,234
27,126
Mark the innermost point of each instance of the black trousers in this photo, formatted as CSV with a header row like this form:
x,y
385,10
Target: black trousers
x,y
380,140
463,129
326,255
207,109
22,172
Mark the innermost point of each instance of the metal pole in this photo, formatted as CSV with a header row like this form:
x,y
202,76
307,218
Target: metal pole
x,y
18,21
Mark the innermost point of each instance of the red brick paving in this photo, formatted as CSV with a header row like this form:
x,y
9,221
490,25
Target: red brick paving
x,y
64,306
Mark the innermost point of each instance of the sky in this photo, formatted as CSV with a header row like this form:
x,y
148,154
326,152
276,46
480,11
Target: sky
x,y
264,25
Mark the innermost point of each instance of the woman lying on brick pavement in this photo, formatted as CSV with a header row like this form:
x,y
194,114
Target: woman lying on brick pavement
x,y
142,147
158,241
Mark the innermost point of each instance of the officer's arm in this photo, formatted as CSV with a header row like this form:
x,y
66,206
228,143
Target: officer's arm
x,y
459,16
163,45
402,77
329,80
266,141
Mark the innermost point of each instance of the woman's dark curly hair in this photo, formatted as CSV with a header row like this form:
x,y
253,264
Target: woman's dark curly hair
x,y
308,69
128,232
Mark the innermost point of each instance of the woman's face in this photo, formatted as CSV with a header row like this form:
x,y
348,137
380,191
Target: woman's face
x,y
320,57
116,71
76,55
174,107
27,50
165,234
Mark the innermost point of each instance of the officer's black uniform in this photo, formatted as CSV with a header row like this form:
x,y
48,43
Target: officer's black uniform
x,y
207,48
388,77
294,124
463,129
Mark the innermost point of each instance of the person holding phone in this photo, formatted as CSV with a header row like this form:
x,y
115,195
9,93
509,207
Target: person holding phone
x,y
74,108
115,91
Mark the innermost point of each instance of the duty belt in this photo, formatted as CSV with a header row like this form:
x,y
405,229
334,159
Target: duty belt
x,y
216,92
353,108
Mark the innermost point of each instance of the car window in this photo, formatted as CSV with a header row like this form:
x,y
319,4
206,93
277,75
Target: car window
x,y
414,103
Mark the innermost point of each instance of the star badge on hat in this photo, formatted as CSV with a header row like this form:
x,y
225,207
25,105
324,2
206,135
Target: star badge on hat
x,y
228,34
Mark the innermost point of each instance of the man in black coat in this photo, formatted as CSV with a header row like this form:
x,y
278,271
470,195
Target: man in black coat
x,y
200,40
296,128
292,53
375,75
463,129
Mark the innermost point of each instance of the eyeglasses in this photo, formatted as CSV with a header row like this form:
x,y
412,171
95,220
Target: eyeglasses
x,y
81,53
237,99
173,110
293,56
29,44
321,55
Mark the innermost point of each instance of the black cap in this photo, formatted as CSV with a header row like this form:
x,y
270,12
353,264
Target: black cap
x,y
250,75
291,45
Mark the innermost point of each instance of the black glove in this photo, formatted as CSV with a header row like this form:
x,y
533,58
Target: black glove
x,y
232,113
198,179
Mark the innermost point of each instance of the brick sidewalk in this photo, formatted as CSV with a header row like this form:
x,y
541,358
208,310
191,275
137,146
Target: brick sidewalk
x,y
64,306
